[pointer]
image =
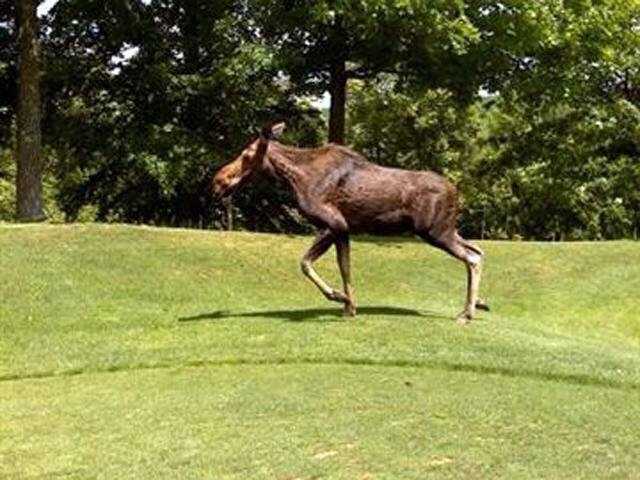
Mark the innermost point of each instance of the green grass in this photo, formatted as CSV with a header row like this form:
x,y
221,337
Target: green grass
x,y
152,353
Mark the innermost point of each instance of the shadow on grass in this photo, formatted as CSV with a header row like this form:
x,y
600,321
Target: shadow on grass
x,y
310,314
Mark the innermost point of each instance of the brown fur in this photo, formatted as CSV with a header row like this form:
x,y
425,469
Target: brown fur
x,y
340,192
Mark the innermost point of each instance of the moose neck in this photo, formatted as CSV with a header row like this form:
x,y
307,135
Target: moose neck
x,y
284,166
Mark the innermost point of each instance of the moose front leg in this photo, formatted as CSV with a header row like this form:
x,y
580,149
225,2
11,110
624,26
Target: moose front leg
x,y
343,250
321,244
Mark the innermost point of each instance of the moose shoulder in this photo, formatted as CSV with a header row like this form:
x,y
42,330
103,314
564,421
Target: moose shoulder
x,y
340,192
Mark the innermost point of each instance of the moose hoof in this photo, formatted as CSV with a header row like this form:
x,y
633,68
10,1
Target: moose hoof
x,y
349,310
464,318
482,305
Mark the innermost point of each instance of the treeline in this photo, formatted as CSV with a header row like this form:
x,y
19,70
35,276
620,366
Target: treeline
x,y
532,108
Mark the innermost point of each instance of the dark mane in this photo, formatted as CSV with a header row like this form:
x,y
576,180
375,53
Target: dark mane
x,y
333,150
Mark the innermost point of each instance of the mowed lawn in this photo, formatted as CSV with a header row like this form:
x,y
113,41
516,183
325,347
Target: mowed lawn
x,y
130,352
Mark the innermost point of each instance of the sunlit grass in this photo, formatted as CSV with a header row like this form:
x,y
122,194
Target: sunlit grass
x,y
145,353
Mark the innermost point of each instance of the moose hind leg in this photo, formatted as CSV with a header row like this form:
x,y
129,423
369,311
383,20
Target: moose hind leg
x,y
321,244
474,272
473,261
480,304
472,258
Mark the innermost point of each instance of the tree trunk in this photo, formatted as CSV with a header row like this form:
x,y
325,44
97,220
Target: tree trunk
x,y
29,177
338,102
191,35
228,210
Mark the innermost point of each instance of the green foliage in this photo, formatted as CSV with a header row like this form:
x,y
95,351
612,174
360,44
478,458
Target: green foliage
x,y
560,172
208,355
458,45
531,108
7,186
407,129
430,43
564,173
551,150
141,137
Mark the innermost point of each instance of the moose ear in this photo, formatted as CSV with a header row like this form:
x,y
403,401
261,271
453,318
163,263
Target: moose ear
x,y
277,129
272,131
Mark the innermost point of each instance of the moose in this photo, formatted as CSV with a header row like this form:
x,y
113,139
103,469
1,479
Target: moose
x,y
341,193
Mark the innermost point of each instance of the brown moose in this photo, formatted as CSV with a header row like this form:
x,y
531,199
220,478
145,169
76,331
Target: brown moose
x,y
341,193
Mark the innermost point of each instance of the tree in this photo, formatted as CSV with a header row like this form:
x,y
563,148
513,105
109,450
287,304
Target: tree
x,y
322,44
29,176
147,99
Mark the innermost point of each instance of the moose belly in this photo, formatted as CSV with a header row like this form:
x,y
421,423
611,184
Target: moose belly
x,y
379,223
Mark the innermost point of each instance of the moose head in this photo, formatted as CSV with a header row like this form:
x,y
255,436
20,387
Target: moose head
x,y
250,161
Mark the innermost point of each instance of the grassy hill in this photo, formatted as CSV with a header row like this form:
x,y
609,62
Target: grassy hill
x,y
132,352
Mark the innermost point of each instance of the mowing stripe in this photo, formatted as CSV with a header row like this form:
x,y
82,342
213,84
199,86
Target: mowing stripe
x,y
576,379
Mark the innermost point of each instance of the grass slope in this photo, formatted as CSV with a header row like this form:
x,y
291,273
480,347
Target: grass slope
x,y
146,353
